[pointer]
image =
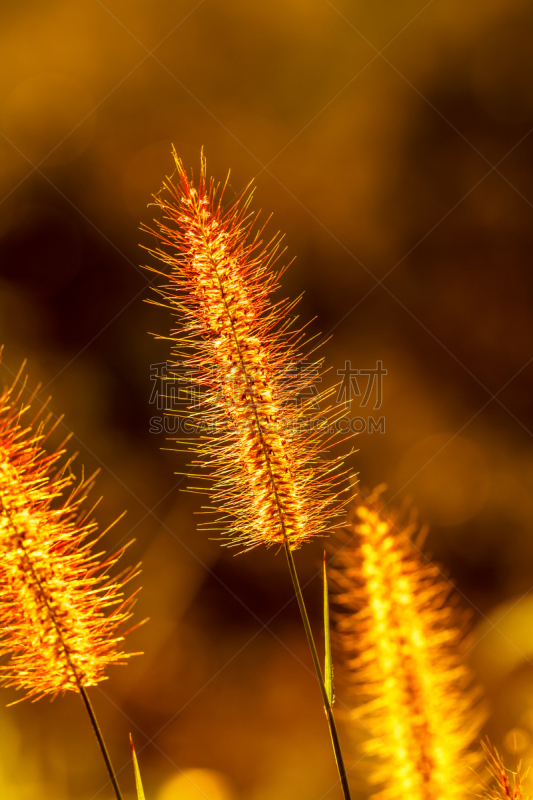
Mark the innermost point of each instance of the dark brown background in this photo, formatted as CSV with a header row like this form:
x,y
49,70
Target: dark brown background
x,y
392,143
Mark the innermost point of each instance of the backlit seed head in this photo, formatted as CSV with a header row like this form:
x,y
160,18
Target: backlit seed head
x,y
263,448
60,612
403,644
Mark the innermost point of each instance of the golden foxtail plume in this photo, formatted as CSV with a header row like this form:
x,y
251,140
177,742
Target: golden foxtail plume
x,y
59,610
259,430
261,442
403,642
506,784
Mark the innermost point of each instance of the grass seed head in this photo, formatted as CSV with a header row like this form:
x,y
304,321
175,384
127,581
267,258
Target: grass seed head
x,y
403,643
262,445
505,784
60,612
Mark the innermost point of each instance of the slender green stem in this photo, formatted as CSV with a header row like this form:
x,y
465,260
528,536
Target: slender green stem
x,y
327,705
101,743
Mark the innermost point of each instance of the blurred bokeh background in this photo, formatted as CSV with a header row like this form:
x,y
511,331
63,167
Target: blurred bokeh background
x,y
393,144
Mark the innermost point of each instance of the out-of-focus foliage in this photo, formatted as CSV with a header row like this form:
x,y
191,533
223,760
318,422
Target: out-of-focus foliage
x,y
392,142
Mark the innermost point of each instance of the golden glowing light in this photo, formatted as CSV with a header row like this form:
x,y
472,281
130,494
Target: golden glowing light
x,y
59,610
403,639
196,784
262,445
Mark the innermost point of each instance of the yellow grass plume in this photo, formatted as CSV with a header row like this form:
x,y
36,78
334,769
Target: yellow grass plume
x,y
402,639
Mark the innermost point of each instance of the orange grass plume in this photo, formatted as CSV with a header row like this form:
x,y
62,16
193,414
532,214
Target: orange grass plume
x,y
60,612
257,426
403,643
506,784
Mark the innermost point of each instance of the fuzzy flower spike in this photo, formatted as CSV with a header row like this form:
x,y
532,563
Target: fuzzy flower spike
x,y
259,430
404,643
59,610
506,784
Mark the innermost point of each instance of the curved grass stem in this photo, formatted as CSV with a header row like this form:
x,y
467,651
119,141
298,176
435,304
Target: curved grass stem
x,y
327,705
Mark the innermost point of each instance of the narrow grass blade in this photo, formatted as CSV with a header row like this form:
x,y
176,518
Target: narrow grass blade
x,y
316,662
138,782
328,665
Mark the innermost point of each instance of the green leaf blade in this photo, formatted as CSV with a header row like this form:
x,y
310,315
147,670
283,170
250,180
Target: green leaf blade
x,y
138,782
328,664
